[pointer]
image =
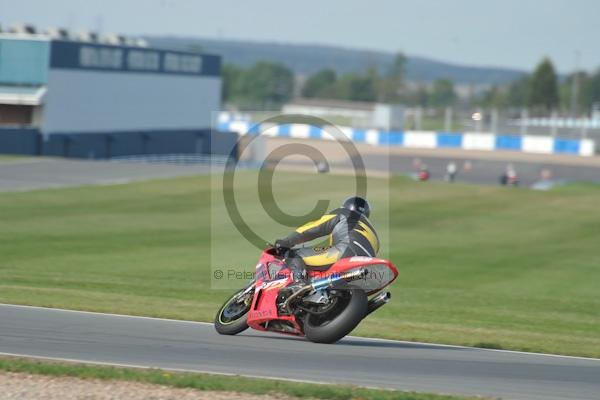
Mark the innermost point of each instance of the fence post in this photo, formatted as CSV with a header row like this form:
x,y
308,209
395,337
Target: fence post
x,y
583,128
418,118
494,122
524,118
448,119
479,121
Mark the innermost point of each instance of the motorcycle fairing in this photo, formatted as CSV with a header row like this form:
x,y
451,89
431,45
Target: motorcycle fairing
x,y
270,279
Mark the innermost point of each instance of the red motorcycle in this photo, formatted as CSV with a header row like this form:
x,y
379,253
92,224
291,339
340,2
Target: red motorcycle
x,y
325,310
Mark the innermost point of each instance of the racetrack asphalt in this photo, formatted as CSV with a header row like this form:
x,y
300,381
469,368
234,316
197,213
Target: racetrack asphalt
x,y
47,173
193,346
482,167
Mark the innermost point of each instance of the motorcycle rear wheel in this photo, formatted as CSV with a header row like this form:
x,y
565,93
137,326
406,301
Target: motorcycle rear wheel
x,y
334,325
233,315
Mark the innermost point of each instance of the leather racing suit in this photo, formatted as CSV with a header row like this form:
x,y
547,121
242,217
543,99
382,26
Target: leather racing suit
x,y
350,234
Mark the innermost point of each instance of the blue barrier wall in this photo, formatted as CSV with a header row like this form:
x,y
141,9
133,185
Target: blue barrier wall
x,y
567,146
19,141
449,139
509,142
115,144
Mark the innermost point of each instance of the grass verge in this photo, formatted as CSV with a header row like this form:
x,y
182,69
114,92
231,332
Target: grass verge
x,y
211,382
479,266
7,157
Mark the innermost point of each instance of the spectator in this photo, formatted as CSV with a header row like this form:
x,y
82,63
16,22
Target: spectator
x,y
509,178
467,166
423,174
450,172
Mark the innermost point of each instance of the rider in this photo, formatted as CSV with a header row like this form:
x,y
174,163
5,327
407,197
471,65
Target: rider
x,y
350,234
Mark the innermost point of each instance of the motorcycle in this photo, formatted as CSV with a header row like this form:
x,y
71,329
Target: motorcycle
x,y
329,307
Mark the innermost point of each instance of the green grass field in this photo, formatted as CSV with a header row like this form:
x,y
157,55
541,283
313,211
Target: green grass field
x,y
215,382
483,266
7,157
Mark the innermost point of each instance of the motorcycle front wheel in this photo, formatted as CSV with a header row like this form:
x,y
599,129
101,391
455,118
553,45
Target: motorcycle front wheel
x,y
349,310
233,315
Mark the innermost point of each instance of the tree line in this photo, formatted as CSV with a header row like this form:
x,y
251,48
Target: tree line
x,y
543,92
268,85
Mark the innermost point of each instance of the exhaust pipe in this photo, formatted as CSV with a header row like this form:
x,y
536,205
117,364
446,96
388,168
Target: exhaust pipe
x,y
378,301
333,279
324,283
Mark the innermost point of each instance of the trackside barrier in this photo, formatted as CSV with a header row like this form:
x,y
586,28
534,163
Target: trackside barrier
x,y
421,139
177,159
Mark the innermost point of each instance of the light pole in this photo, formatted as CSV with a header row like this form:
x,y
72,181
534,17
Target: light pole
x,y
575,85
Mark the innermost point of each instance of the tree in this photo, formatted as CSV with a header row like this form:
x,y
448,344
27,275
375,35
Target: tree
x,y
265,85
518,92
590,92
397,69
356,87
391,84
494,97
543,88
420,96
230,74
442,93
318,84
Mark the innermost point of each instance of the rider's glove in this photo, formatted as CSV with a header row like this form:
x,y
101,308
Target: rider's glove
x,y
281,245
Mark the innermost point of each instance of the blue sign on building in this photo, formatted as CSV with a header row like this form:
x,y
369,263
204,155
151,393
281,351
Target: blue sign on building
x,y
24,62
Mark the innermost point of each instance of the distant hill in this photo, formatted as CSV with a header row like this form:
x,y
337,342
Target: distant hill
x,y
307,59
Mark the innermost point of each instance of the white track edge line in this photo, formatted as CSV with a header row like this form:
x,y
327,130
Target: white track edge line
x,y
197,371
107,314
352,337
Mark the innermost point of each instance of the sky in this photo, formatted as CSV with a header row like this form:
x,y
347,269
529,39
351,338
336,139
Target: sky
x,y
505,33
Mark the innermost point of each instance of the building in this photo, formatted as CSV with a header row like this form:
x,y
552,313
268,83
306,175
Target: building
x,y
354,113
88,99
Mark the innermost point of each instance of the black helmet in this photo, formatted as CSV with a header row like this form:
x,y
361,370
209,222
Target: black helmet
x,y
358,204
